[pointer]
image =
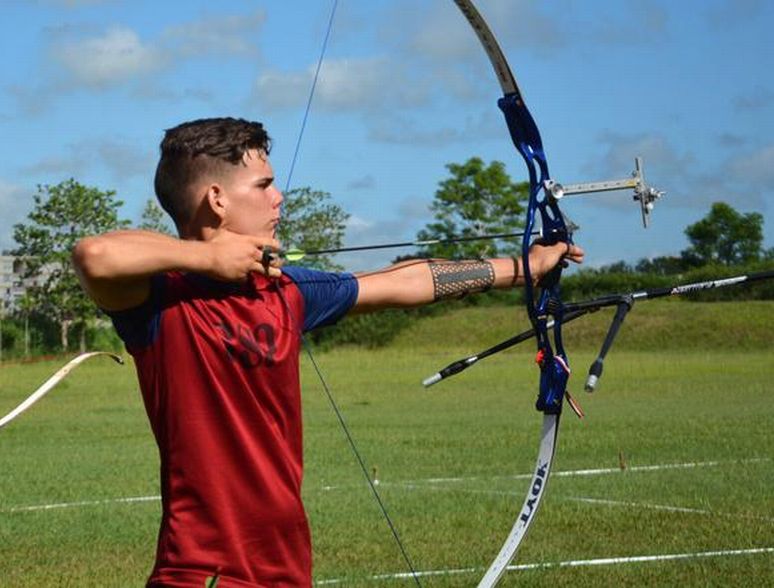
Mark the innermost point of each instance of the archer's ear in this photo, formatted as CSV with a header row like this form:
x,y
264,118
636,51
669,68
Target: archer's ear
x,y
216,200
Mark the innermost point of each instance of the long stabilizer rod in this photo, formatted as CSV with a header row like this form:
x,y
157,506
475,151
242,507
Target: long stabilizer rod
x,y
462,364
574,310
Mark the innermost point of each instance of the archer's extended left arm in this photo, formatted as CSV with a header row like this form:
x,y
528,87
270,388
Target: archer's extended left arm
x,y
423,281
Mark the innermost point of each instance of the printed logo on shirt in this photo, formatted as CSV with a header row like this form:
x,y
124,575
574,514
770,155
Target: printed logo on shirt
x,y
251,348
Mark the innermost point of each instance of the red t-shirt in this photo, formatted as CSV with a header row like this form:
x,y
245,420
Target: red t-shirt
x,y
218,370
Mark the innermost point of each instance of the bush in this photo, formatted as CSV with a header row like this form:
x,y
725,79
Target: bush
x,y
591,283
103,338
367,330
12,337
763,290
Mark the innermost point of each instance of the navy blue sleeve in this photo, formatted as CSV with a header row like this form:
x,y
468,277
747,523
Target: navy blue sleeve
x,y
139,326
327,296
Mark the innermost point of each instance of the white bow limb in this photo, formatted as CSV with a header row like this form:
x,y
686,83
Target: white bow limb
x,y
53,381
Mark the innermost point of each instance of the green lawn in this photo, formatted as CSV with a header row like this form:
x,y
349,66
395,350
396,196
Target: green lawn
x,y
689,417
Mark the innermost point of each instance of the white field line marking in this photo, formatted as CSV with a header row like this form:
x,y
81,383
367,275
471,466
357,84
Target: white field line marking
x,y
567,564
565,473
665,507
457,489
587,500
55,505
424,482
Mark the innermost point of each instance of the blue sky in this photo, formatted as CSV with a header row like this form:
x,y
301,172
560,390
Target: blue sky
x,y
88,87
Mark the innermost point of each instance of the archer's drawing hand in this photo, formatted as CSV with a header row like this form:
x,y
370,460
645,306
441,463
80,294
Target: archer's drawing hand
x,y
544,258
235,256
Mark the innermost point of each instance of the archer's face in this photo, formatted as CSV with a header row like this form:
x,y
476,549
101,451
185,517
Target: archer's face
x,y
252,200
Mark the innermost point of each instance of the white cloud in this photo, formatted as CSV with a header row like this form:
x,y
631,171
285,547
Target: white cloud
x,y
358,224
733,13
122,161
280,90
30,101
656,150
515,24
397,128
75,3
230,34
14,206
345,85
759,98
366,182
118,56
732,140
113,58
742,181
415,208
757,168
642,22
53,168
665,168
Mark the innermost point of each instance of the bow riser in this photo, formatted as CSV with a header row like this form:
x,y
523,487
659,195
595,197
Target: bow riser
x,y
552,360
541,305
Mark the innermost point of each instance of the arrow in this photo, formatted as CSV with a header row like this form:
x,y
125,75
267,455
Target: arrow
x,y
296,254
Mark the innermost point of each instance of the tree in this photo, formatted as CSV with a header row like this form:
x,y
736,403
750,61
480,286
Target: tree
x,y
725,236
477,199
310,222
153,218
665,265
62,215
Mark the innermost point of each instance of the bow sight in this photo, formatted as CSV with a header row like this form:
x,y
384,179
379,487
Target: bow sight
x,y
643,193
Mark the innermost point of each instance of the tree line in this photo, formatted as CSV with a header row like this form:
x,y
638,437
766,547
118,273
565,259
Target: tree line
x,y
54,314
476,198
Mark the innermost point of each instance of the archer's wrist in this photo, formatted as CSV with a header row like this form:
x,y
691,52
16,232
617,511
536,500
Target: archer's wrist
x,y
518,272
194,256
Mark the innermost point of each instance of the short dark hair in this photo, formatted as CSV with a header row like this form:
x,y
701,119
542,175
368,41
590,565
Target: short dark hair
x,y
197,148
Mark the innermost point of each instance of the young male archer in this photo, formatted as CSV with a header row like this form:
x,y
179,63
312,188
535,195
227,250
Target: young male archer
x,y
215,332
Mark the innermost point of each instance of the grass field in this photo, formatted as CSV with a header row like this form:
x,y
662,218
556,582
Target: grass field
x,y
685,404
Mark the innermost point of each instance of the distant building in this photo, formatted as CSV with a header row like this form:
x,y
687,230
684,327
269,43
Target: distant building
x,y
12,284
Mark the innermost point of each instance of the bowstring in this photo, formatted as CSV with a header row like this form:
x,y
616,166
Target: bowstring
x,y
305,344
311,94
350,438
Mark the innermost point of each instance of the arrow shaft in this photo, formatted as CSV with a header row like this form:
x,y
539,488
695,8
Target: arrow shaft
x,y
421,243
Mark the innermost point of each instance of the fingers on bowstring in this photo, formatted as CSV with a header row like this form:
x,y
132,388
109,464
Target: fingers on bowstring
x,y
268,256
270,262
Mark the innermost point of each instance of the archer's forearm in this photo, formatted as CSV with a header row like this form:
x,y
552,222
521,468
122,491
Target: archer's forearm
x,y
115,268
130,254
419,282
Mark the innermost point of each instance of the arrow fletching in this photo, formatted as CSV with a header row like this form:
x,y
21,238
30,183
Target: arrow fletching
x,y
294,254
